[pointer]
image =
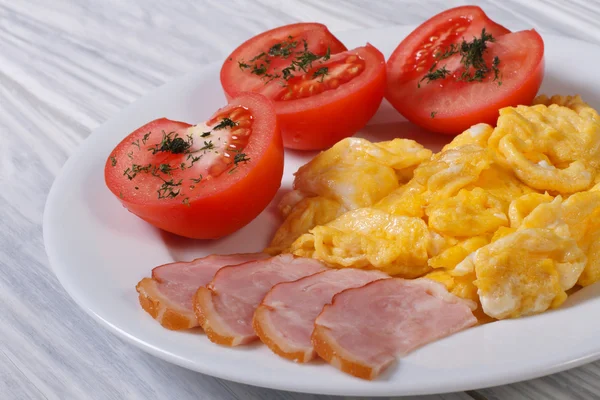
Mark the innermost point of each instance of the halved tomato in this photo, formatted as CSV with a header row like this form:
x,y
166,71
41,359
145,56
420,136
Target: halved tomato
x,y
436,79
322,93
203,181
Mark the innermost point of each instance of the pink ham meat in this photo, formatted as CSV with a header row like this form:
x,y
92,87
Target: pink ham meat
x,y
225,307
167,296
365,329
285,319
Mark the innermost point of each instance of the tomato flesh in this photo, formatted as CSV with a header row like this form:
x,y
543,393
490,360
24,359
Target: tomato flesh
x,y
452,104
318,102
256,51
203,181
339,72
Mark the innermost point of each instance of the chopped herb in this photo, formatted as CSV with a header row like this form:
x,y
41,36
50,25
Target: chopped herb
x,y
208,145
258,57
433,114
165,168
130,155
121,194
302,60
240,157
495,64
321,72
196,180
283,49
193,158
450,51
225,123
167,189
259,70
145,138
305,59
433,75
205,134
172,144
136,169
471,58
186,201
182,166
113,160
287,72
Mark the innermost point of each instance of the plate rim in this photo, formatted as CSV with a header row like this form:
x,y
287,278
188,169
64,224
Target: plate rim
x,y
505,378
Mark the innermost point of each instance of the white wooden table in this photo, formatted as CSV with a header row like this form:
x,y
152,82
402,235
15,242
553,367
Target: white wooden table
x,y
66,66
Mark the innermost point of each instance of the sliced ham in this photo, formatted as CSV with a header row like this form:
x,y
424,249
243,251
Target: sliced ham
x,y
225,307
285,319
167,295
365,329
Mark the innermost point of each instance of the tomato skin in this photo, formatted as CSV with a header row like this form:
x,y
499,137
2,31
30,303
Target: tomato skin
x,y
457,106
318,122
227,204
323,125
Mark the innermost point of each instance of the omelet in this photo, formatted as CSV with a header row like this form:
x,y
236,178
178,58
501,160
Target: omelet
x,y
354,173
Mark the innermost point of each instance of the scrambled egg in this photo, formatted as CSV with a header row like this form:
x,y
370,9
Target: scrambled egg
x,y
354,173
370,238
550,147
505,216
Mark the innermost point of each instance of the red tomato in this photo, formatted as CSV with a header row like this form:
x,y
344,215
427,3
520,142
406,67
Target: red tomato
x,y
451,104
321,92
204,181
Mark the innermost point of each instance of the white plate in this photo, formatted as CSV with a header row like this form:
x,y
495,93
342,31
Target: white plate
x,y
99,252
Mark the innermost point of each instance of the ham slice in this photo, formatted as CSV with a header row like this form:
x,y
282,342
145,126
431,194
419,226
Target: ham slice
x,y
225,307
167,295
365,329
285,319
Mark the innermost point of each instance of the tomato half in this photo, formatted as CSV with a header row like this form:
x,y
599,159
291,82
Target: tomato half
x,y
203,181
452,103
321,92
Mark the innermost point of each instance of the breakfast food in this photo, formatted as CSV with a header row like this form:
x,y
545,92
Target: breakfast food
x,y
459,68
353,173
364,329
383,246
167,295
321,92
285,319
478,216
225,307
199,181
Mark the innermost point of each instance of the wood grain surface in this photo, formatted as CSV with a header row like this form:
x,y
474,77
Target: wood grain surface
x,y
66,66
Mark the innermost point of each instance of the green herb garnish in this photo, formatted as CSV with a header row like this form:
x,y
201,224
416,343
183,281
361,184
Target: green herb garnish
x,y
225,123
196,180
471,58
321,72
